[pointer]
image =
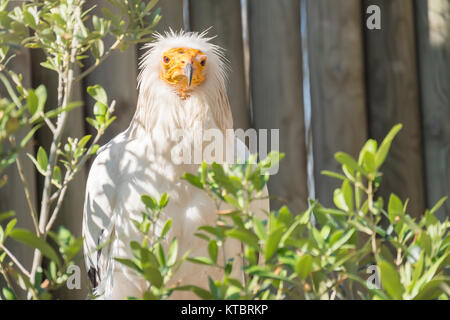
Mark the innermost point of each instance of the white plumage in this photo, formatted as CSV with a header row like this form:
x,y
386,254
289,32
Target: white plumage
x,y
139,161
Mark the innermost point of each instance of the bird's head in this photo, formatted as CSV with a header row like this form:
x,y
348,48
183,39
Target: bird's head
x,y
182,82
183,62
183,68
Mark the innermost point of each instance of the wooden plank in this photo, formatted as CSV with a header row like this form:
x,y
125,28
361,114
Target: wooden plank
x,y
276,89
172,15
393,97
335,51
210,13
433,37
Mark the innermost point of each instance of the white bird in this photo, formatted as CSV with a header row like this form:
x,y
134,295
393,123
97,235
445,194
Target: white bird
x,y
181,87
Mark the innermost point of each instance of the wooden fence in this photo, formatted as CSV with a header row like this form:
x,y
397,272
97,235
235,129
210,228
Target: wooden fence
x,y
360,83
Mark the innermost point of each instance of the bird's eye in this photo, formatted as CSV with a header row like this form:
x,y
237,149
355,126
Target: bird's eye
x,y
203,62
166,59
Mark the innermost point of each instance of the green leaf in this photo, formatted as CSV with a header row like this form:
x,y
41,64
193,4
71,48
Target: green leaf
x,y
129,263
56,177
10,226
8,294
194,180
303,266
260,229
200,292
148,296
7,215
38,167
135,249
432,289
370,146
94,149
41,93
153,276
30,239
339,243
48,65
218,232
438,205
149,202
166,228
148,258
201,260
161,256
93,123
348,160
383,151
164,200
173,252
52,270
390,280
29,18
32,101
82,143
273,240
245,236
232,201
98,93
29,135
212,250
347,193
42,159
100,109
339,200
430,273
333,174
70,106
395,207
369,162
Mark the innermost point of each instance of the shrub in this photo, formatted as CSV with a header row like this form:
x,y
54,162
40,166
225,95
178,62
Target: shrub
x,y
322,253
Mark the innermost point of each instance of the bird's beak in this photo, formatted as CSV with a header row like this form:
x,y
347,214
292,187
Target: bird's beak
x,y
189,72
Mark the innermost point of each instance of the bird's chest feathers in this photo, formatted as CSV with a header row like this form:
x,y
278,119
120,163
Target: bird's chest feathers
x,y
143,171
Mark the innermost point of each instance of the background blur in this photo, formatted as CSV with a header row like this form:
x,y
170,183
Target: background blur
x,y
310,68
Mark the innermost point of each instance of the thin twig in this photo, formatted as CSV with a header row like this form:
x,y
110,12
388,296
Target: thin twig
x,y
99,62
26,189
49,123
33,212
4,272
16,261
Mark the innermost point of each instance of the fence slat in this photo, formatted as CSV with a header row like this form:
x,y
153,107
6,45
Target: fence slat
x,y
337,85
433,27
172,15
276,89
225,19
393,97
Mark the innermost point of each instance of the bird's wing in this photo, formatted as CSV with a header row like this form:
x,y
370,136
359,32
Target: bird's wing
x,y
98,222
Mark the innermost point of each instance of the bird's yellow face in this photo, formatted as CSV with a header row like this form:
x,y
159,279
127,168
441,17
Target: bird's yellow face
x,y
183,68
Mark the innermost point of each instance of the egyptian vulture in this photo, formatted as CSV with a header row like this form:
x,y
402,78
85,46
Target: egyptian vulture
x,y
181,87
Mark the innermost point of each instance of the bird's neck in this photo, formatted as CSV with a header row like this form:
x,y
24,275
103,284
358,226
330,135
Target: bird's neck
x,y
163,114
